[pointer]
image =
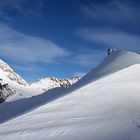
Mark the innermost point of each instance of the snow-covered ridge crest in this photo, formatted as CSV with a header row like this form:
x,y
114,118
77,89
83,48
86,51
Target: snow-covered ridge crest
x,y
115,62
52,82
8,71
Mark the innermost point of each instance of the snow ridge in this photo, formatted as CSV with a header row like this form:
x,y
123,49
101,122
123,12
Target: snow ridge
x,y
115,62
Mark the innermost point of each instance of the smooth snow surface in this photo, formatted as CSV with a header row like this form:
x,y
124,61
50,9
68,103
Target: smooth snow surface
x,y
103,105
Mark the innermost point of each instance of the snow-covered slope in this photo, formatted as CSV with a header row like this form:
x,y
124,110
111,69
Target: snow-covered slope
x,y
103,105
9,76
116,61
52,82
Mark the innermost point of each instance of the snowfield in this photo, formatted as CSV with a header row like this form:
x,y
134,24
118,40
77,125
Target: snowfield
x,y
103,105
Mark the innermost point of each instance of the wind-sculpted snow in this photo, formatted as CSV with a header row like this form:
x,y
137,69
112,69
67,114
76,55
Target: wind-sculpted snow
x,y
116,61
9,110
103,105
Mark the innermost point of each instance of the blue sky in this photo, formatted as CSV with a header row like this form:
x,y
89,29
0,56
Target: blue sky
x,y
64,38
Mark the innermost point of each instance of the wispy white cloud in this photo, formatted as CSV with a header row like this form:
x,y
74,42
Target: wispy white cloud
x,y
116,12
24,10
30,68
88,58
116,20
78,74
111,38
23,48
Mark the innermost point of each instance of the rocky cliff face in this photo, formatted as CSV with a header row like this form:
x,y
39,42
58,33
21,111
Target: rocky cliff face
x,y
52,82
5,91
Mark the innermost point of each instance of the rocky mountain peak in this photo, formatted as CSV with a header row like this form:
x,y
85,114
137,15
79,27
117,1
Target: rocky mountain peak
x,y
11,75
52,82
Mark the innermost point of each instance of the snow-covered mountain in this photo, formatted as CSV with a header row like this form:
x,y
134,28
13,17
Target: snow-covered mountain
x,y
52,82
103,105
8,75
10,82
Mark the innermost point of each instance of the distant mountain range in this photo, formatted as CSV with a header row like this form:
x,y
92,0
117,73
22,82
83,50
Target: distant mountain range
x,y
10,77
52,82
